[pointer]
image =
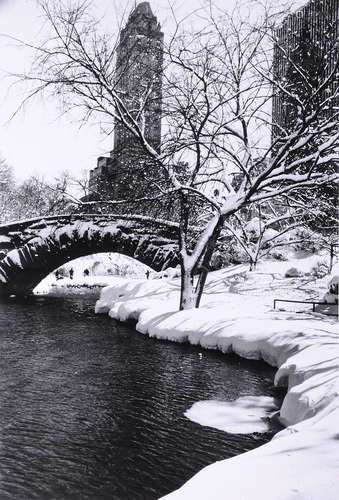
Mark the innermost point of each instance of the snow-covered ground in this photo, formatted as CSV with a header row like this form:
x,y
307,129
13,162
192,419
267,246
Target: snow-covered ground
x,y
237,315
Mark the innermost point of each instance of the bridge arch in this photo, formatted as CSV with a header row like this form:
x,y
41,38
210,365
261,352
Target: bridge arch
x,y
30,250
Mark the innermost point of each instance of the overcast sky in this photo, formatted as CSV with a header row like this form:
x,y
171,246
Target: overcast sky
x,y
38,140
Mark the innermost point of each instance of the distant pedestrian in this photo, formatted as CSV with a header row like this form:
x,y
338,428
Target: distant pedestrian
x,y
147,274
71,273
57,275
86,272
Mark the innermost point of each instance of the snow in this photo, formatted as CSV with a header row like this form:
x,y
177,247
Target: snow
x,y
255,227
170,273
243,416
334,279
331,296
5,239
236,315
13,258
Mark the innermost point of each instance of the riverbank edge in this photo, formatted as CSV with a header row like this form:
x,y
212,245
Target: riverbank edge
x,y
299,462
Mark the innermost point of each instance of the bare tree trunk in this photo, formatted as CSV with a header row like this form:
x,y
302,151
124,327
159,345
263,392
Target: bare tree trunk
x,y
331,257
190,297
187,294
201,285
206,262
253,263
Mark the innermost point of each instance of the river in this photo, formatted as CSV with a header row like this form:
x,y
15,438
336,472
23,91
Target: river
x,y
91,409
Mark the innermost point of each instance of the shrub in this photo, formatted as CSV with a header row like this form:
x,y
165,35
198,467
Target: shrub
x,y
320,270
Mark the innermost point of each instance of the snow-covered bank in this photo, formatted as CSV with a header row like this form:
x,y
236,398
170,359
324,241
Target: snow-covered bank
x,y
301,462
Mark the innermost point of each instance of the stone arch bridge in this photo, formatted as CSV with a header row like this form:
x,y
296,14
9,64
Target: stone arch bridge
x,y
31,249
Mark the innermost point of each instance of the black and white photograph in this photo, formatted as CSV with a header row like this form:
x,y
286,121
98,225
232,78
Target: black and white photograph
x,y
169,248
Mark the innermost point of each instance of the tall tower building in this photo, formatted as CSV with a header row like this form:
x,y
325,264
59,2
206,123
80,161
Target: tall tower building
x,y
139,74
139,65
305,56
307,39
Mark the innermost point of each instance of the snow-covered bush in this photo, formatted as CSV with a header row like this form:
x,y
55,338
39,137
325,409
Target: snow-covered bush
x,y
270,233
331,297
220,260
334,285
320,270
169,273
305,238
293,272
252,228
280,254
235,254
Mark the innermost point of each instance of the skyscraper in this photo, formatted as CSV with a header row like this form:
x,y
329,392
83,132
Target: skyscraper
x,y
305,64
139,62
306,52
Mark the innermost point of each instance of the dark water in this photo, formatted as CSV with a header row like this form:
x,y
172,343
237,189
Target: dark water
x,y
90,409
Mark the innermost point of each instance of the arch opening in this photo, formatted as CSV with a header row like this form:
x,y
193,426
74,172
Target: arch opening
x,y
93,271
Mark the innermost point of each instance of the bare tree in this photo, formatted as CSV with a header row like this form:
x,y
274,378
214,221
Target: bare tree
x,y
266,230
265,227
217,155
32,197
36,197
7,192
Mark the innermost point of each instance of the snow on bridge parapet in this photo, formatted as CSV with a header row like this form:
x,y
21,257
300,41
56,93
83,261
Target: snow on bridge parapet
x,y
31,249
39,222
